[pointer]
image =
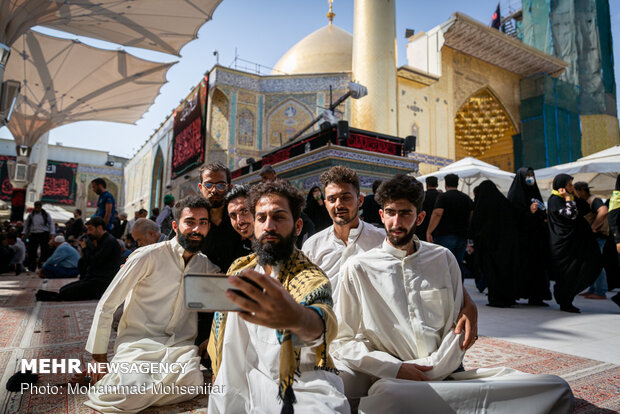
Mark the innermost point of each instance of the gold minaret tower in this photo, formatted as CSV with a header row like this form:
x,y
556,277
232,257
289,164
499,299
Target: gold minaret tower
x,y
374,65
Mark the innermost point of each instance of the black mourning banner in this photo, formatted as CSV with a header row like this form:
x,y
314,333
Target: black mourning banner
x,y
59,184
188,142
6,189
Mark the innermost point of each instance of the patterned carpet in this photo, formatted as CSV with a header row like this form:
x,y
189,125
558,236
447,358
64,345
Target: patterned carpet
x,y
59,330
595,384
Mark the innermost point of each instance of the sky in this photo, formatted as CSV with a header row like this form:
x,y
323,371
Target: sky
x,y
261,32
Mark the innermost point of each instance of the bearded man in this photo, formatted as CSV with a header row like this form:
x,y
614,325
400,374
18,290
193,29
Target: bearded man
x,y
155,326
397,307
275,353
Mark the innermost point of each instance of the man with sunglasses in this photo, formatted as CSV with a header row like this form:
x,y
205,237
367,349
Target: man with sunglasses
x,y
222,242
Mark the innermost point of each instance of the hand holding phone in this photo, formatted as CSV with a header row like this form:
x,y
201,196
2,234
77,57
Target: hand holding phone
x,y
207,292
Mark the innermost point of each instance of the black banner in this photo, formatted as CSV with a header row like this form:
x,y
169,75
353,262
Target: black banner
x,y
6,189
59,187
188,142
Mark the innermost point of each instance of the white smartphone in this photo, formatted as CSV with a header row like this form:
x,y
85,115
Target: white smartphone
x,y
207,292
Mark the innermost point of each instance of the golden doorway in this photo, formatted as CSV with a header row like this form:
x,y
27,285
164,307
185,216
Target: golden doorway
x,y
484,130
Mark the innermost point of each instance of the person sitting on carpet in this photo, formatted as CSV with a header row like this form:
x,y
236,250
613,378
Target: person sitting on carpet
x,y
19,253
155,326
102,256
63,263
146,232
397,306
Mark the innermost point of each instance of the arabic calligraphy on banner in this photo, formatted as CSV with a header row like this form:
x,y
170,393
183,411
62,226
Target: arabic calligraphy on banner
x,y
59,186
188,142
6,189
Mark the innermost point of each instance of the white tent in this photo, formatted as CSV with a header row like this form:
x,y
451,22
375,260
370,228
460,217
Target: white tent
x,y
59,214
599,170
472,172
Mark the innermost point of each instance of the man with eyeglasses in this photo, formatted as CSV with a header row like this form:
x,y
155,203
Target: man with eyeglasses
x,y
222,242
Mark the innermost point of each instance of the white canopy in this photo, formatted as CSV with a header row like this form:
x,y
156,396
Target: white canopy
x,y
65,81
599,170
161,25
59,214
472,172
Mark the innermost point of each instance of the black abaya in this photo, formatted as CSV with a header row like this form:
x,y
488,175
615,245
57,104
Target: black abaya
x,y
575,256
533,240
317,212
494,231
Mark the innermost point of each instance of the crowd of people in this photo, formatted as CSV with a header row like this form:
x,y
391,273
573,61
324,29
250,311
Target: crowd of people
x,y
92,251
350,303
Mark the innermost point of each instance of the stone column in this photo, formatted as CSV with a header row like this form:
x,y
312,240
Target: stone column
x,y
374,65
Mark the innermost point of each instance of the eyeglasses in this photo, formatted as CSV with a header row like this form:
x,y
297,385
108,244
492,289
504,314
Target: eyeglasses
x,y
218,186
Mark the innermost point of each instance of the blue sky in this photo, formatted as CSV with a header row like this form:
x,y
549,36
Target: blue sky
x,y
262,31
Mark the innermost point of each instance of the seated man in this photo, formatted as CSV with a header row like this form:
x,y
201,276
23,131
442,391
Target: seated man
x,y
102,256
397,306
275,354
62,263
146,232
155,326
19,252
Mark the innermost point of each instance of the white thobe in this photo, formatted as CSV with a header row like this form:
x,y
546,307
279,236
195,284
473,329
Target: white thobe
x,y
155,327
249,374
394,309
328,252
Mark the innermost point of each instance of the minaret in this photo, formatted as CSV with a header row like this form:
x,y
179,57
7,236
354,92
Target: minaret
x,y
374,65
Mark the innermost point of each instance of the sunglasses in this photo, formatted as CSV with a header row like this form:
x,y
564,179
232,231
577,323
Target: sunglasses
x,y
218,186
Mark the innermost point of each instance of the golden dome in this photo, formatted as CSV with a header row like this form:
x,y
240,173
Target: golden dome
x,y
327,50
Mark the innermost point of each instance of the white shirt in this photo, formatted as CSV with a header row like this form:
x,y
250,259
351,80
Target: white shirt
x,y
249,373
151,285
393,308
329,252
37,224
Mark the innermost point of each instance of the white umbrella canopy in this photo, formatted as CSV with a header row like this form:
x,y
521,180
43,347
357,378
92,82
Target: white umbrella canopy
x,y
472,172
161,25
65,81
599,170
59,214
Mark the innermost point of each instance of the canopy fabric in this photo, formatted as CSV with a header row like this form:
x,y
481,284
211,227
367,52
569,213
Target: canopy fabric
x,y
599,170
161,25
472,172
65,81
59,214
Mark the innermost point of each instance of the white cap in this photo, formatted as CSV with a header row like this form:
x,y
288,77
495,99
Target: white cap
x,y
59,239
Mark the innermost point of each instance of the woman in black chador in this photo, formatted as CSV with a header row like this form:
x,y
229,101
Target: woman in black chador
x,y
533,238
494,233
316,210
575,257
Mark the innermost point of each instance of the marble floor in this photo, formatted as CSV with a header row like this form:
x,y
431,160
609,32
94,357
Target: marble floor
x,y
593,334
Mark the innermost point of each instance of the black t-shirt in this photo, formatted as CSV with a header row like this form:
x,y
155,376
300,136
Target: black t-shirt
x,y
103,260
430,198
370,209
596,204
457,207
222,243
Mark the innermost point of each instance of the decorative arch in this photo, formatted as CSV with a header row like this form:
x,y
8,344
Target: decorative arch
x,y
415,130
484,130
285,120
157,179
92,197
220,126
245,128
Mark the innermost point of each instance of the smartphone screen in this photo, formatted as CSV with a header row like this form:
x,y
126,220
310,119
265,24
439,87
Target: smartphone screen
x,y
207,292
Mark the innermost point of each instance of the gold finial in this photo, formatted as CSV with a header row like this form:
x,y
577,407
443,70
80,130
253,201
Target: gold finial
x,y
330,14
